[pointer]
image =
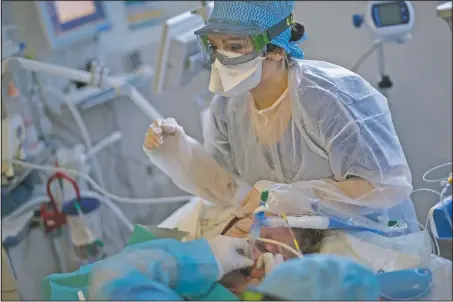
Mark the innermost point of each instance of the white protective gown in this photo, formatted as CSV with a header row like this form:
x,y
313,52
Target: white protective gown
x,y
327,146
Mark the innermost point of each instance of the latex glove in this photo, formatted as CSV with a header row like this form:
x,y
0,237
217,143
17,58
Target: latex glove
x,y
269,261
157,132
229,253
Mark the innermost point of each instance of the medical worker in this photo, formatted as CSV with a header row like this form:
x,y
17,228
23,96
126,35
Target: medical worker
x,y
167,269
317,136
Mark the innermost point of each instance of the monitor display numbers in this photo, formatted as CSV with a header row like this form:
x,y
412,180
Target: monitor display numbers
x,y
390,14
67,11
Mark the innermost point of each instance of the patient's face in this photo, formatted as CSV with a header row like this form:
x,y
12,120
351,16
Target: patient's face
x,y
238,281
282,234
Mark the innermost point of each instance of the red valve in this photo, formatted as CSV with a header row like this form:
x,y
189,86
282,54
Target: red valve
x,y
51,217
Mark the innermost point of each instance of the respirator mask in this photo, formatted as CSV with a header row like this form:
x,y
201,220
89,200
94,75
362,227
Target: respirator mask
x,y
231,81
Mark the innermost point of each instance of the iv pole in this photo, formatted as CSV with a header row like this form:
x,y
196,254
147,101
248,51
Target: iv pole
x,y
385,84
95,78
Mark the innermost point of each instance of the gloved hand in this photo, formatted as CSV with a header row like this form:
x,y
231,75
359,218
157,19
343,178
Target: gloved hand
x,y
229,253
269,261
157,132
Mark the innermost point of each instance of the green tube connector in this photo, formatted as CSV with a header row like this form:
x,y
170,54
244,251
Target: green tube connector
x,y
264,196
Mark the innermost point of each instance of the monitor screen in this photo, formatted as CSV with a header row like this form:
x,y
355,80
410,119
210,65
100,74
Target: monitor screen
x,y
71,10
70,15
144,13
390,14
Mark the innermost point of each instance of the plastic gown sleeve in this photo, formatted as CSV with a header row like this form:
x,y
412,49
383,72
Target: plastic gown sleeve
x,y
369,167
163,269
192,169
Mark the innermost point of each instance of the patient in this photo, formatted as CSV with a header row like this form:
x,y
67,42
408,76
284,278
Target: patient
x,y
309,242
371,250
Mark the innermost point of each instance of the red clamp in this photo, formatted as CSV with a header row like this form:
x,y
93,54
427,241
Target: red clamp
x,y
51,217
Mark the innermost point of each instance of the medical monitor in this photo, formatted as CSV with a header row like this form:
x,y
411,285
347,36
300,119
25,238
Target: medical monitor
x,y
390,20
140,14
49,25
179,58
390,14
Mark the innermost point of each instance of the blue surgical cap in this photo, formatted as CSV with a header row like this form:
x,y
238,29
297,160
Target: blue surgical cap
x,y
263,14
321,277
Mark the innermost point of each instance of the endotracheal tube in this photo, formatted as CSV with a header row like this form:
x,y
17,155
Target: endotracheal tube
x,y
260,220
259,215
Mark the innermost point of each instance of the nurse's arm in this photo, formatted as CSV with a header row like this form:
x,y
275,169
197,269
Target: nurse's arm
x,y
194,170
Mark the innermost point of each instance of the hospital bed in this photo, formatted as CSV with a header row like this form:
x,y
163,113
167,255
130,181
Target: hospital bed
x,y
441,268
171,221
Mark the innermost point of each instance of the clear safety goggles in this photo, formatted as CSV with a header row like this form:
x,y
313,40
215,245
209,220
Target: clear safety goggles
x,y
234,44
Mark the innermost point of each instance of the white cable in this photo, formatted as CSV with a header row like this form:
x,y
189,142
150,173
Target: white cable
x,y
425,227
285,246
441,197
432,238
139,100
425,190
100,189
106,141
112,206
431,170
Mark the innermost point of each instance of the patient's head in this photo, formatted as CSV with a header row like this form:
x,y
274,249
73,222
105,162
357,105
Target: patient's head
x,y
309,242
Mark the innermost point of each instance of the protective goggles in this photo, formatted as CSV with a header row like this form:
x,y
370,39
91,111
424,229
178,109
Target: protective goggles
x,y
234,44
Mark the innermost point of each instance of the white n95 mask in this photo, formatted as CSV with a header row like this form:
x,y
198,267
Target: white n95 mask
x,y
230,81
